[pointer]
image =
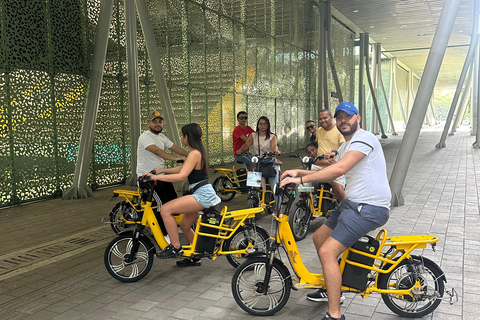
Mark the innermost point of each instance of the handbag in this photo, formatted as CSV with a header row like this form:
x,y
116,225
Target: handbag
x,y
267,165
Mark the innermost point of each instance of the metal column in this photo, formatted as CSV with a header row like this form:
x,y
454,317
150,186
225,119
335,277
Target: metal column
x,y
133,85
80,188
374,99
157,69
387,102
361,76
420,105
463,101
321,59
461,80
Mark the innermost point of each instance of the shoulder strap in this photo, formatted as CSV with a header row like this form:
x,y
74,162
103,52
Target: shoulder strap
x,y
198,185
363,143
258,137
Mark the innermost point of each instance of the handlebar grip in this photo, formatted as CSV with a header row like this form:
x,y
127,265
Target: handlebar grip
x,y
180,161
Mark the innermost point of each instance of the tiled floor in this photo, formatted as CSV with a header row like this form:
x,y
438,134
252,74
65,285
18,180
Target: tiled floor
x,y
64,277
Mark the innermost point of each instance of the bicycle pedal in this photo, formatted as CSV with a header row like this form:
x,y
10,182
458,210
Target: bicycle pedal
x,y
307,286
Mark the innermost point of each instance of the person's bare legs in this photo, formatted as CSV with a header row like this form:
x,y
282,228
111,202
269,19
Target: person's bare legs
x,y
328,253
186,225
339,191
321,235
175,206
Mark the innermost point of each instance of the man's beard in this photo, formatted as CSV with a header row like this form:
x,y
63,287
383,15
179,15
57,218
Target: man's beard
x,y
155,131
352,130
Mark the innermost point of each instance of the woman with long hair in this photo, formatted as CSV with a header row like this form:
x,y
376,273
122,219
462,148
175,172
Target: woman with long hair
x,y
263,140
195,169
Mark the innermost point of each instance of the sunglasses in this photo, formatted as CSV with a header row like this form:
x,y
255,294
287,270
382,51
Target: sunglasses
x,y
242,118
310,127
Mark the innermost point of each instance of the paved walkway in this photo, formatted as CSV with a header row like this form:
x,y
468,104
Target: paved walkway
x,y
51,256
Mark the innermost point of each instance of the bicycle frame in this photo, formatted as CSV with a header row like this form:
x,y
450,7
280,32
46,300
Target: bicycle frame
x,y
324,194
228,225
404,246
231,175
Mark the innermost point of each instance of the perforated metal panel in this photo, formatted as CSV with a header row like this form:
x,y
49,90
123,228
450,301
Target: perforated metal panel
x,y
219,57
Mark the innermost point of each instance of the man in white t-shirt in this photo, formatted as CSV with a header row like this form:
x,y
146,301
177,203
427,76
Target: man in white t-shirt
x,y
151,154
366,207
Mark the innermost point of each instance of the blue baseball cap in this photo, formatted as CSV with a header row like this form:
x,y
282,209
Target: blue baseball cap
x,y
346,107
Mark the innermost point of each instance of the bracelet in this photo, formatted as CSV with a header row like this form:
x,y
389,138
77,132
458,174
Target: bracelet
x,y
301,181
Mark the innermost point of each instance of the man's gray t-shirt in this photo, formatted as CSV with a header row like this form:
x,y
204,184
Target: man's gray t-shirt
x,y
367,181
147,160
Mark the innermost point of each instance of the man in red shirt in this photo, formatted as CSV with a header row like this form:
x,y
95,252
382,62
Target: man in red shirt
x,y
240,133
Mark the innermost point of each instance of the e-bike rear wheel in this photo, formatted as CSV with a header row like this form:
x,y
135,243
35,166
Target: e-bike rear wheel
x,y
403,277
258,236
117,253
120,214
300,221
220,185
247,284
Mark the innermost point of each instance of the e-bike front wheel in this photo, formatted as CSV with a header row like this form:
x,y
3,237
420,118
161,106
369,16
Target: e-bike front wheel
x,y
118,252
248,291
220,185
404,277
299,221
258,236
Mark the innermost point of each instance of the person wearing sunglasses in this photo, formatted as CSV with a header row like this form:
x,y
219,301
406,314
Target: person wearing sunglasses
x,y
312,128
240,135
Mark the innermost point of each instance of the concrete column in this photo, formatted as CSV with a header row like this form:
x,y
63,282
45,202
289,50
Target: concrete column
x,y
420,105
80,188
133,86
157,69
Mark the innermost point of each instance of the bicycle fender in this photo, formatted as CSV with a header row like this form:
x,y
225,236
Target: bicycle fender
x,y
144,236
280,262
434,266
257,227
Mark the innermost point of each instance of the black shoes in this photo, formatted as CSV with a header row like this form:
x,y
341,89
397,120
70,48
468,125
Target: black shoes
x,y
329,317
170,252
189,262
321,295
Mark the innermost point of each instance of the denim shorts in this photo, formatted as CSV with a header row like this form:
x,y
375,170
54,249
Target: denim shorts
x,y
351,220
205,195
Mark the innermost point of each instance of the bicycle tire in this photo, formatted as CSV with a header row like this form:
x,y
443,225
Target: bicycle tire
x,y
249,277
119,249
222,183
239,240
122,211
299,221
401,278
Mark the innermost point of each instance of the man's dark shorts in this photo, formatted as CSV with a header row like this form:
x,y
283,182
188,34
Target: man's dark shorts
x,y
351,220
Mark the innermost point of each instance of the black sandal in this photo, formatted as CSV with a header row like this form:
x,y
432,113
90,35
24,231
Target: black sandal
x,y
170,252
189,262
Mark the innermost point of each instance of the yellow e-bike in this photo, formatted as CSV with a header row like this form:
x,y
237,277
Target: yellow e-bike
x,y
129,257
411,285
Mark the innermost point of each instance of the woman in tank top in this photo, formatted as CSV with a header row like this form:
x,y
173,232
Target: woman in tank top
x,y
194,169
263,140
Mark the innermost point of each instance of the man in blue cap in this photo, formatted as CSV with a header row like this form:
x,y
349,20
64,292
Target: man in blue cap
x,y
366,207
